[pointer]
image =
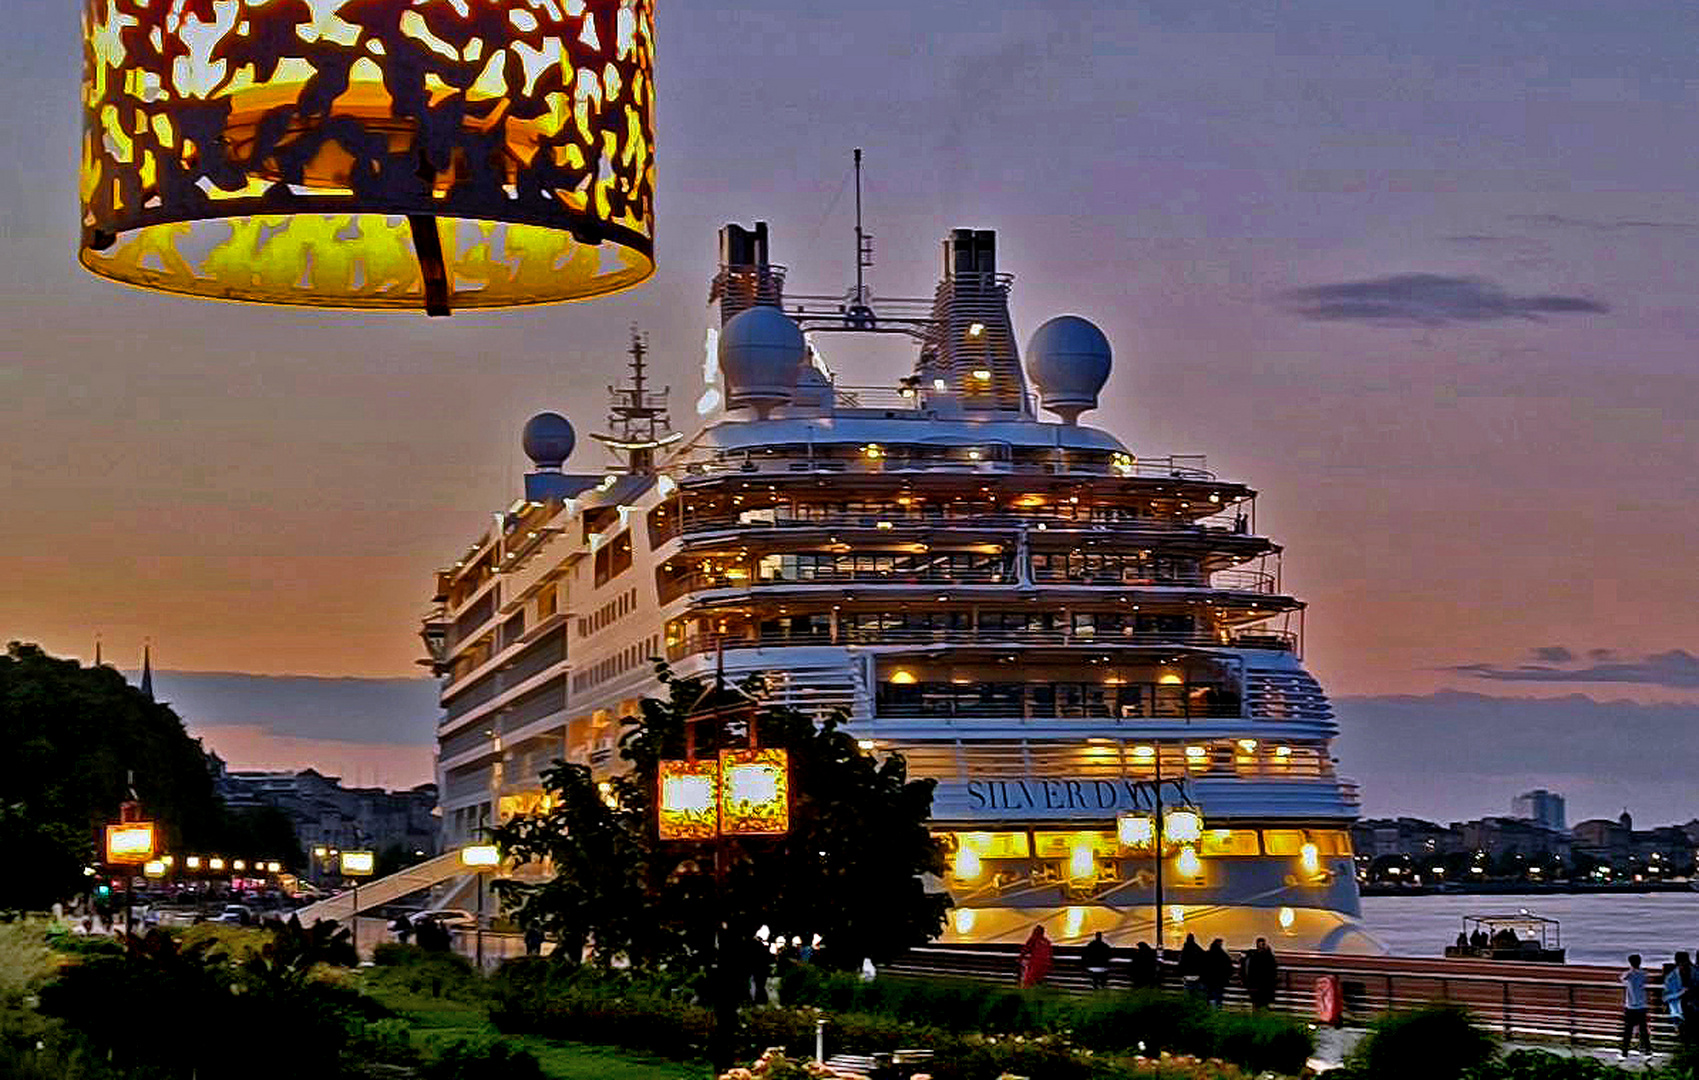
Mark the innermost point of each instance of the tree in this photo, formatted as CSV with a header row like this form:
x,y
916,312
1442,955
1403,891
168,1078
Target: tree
x,y
73,736
849,869
263,833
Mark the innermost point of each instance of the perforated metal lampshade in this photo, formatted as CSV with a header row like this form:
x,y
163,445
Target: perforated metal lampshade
x,y
369,153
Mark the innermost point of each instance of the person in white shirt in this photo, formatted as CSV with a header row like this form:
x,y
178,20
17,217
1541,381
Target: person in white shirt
x,y
1634,1006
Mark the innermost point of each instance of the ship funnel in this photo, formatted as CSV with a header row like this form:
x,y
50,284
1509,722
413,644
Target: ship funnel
x,y
968,356
746,279
1069,360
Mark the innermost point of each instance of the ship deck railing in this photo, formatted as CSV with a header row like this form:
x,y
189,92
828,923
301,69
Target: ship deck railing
x,y
1131,527
1240,581
1280,640
1177,467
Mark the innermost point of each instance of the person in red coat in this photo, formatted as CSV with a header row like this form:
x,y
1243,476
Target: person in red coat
x,y
1035,958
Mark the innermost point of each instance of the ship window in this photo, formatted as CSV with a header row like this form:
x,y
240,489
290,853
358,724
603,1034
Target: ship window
x,y
1283,841
1229,842
1331,841
990,845
1060,845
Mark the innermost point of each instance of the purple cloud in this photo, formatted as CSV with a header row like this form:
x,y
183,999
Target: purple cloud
x,y
1428,300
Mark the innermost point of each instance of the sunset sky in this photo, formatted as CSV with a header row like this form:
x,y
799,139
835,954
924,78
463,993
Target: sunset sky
x,y
1421,273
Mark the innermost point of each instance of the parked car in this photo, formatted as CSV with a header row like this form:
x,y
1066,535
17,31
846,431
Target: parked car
x,y
235,915
448,918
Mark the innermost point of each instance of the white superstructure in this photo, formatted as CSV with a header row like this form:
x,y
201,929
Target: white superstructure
x,y
1031,612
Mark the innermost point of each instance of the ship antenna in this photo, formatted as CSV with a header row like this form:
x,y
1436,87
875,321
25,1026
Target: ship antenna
x,y
637,418
863,253
860,313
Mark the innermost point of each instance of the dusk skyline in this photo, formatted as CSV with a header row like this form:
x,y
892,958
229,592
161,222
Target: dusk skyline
x,y
1421,277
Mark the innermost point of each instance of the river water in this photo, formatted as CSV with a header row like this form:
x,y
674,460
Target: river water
x,y
1597,928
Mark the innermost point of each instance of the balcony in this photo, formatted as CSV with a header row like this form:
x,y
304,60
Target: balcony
x,y
1131,526
696,644
992,456
673,588
1105,759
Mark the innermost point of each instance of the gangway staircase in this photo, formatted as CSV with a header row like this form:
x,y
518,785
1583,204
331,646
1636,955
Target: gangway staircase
x,y
384,890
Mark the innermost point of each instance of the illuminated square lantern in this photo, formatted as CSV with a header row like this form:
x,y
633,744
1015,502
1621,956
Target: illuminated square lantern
x,y
1136,831
130,842
358,863
369,153
688,800
754,792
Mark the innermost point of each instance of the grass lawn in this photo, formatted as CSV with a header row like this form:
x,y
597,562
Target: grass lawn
x,y
438,1020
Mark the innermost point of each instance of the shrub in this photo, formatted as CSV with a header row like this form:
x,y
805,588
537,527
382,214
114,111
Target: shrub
x,y
1437,1042
670,1027
483,1059
1262,1042
1540,1065
409,969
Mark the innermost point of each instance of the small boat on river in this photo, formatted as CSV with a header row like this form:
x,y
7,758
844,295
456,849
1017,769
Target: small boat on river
x,y
1523,937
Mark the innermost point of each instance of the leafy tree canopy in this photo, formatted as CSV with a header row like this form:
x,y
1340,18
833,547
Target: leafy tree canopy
x,y
849,870
72,733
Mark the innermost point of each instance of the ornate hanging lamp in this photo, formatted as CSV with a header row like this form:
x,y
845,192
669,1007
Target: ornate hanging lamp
x,y
369,153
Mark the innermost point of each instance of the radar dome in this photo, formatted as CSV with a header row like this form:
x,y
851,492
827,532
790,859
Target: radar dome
x,y
761,355
548,440
1068,360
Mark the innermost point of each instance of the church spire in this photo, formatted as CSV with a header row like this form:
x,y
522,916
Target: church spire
x,y
147,672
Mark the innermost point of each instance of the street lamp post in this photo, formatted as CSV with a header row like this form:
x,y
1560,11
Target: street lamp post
x,y
129,843
1158,841
480,857
356,865
744,792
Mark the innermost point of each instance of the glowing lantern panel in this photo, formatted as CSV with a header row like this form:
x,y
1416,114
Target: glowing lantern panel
x,y
358,863
1135,830
754,792
369,153
131,842
688,803
1182,826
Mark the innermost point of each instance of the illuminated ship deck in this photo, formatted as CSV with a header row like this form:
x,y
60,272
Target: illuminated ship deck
x,y
1054,627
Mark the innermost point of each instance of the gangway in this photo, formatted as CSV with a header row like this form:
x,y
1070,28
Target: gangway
x,y
384,890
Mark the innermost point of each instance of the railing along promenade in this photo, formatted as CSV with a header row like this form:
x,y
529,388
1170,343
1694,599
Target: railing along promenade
x,y
1570,1003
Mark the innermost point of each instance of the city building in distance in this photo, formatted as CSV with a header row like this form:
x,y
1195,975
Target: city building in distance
x,y
1035,615
1545,807
326,814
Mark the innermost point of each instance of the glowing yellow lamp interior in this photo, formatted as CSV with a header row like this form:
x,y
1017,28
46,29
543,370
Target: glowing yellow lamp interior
x,y
369,153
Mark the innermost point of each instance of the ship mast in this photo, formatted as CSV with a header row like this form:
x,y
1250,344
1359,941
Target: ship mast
x,y
638,423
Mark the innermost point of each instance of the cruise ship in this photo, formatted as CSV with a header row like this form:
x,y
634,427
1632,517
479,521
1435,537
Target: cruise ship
x,y
1076,640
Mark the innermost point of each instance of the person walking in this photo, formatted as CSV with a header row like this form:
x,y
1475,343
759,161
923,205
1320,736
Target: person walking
x,y
1217,973
533,940
1676,982
1147,967
1634,1006
1095,957
1261,975
1191,966
1035,958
